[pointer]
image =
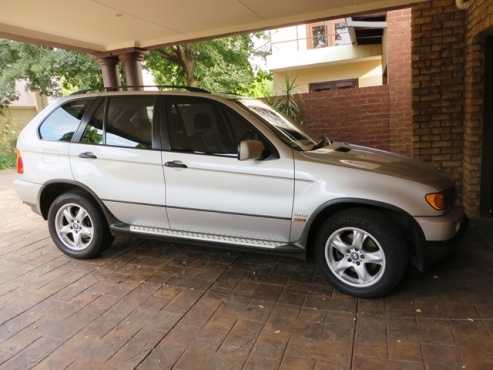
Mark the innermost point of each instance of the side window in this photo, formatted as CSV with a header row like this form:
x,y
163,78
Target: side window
x,y
93,133
241,130
195,125
62,123
129,121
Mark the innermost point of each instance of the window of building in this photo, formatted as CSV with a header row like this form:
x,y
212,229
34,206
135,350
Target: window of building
x,y
63,122
319,36
333,85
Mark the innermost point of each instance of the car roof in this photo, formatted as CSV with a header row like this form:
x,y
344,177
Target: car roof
x,y
204,94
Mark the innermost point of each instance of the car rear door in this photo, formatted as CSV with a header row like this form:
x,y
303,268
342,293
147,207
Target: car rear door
x,y
117,155
208,190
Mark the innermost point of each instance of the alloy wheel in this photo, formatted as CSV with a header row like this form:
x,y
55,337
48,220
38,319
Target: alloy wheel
x,y
74,226
355,257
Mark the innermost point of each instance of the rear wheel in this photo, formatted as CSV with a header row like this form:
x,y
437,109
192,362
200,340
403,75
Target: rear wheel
x,y
361,253
77,226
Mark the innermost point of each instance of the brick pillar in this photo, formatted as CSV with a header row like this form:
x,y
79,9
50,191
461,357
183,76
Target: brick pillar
x,y
398,58
132,67
438,30
479,24
108,67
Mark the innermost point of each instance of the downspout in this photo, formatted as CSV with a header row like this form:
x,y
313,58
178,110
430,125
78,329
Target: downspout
x,y
462,4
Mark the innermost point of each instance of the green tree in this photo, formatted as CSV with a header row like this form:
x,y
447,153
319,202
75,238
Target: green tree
x,y
220,65
48,70
262,86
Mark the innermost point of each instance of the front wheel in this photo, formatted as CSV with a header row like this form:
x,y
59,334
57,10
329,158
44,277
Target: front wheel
x,y
77,226
361,253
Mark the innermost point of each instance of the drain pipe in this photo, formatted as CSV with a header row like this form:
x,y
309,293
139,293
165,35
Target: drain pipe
x,y
462,4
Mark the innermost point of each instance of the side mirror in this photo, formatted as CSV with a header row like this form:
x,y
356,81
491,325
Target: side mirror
x,y
250,149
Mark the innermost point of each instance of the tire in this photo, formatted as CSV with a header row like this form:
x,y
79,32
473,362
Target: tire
x,y
352,272
73,236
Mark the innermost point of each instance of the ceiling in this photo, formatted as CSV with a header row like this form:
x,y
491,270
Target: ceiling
x,y
107,25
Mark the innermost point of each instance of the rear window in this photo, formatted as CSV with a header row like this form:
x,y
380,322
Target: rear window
x,y
63,122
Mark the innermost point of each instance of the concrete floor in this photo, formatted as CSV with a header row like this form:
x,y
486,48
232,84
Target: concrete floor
x,y
151,305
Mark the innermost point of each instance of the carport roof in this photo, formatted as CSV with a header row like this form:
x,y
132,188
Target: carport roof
x,y
102,26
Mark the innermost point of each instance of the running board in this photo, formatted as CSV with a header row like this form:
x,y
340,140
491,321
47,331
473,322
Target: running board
x,y
205,237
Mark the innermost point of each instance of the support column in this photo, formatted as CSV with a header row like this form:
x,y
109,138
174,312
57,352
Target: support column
x,y
110,75
132,68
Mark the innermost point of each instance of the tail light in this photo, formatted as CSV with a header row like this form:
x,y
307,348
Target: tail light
x,y
18,163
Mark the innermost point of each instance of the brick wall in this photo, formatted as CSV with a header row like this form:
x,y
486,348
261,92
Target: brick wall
x,y
398,52
479,21
360,116
438,31
447,71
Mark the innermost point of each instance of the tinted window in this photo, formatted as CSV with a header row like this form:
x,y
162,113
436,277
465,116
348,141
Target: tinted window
x,y
240,128
93,133
195,125
62,123
129,121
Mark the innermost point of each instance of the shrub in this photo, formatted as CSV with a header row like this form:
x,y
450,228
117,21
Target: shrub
x,y
8,135
289,104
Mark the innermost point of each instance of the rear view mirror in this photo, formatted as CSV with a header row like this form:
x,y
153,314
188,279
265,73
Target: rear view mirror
x,y
250,149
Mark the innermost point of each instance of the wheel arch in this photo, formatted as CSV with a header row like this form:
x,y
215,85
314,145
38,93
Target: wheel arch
x,y
414,234
53,188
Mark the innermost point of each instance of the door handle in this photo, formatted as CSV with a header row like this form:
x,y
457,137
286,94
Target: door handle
x,y
88,155
175,164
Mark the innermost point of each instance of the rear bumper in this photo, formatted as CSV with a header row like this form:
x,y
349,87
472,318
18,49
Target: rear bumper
x,y
28,193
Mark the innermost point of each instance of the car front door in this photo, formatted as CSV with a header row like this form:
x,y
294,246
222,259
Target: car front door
x,y
118,156
208,190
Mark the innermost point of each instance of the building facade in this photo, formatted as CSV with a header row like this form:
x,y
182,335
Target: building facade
x,y
334,54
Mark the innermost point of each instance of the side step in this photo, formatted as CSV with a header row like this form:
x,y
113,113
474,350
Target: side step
x,y
210,238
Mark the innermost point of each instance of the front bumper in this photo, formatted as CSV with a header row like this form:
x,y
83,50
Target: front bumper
x,y
441,237
440,228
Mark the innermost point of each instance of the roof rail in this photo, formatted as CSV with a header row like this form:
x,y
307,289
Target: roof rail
x,y
127,87
184,87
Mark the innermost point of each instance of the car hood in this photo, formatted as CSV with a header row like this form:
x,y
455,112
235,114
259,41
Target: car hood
x,y
381,162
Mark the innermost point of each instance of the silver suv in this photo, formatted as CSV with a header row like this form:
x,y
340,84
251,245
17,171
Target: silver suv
x,y
194,166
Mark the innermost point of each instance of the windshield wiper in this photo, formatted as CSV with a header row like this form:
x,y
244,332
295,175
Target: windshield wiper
x,y
324,141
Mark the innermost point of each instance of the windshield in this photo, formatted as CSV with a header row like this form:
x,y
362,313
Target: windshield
x,y
283,128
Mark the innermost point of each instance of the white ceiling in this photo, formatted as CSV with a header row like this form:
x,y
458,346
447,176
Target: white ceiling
x,y
105,25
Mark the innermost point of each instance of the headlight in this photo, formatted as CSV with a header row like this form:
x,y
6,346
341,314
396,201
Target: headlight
x,y
441,200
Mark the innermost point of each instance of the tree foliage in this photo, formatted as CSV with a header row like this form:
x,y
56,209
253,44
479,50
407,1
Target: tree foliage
x,y
45,69
219,65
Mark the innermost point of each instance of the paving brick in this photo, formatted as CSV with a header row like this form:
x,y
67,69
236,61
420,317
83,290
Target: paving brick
x,y
112,314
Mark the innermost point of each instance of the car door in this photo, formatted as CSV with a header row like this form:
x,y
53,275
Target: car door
x,y
208,190
118,157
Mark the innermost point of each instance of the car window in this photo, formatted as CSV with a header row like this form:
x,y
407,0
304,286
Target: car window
x,y
239,127
195,125
287,131
63,122
129,121
93,133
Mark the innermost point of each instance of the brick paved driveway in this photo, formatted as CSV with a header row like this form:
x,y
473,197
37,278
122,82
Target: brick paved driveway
x,y
151,305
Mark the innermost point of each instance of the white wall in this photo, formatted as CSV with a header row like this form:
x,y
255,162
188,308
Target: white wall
x,y
368,73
